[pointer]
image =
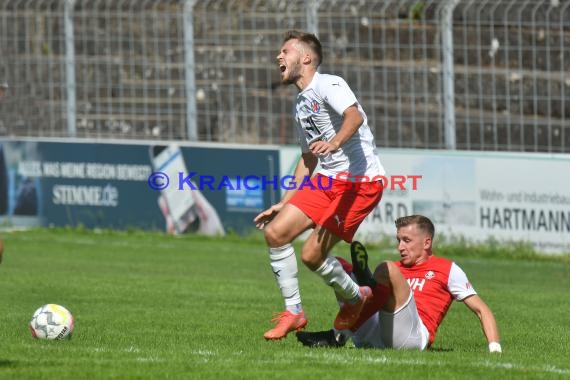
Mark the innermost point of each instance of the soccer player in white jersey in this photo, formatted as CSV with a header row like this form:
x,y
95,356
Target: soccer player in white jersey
x,y
333,131
410,296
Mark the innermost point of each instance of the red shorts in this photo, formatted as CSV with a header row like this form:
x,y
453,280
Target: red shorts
x,y
339,206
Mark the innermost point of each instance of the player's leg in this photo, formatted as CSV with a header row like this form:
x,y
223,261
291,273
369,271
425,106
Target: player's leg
x,y
403,328
398,324
283,229
1,250
349,206
388,274
381,293
315,257
327,338
299,214
363,332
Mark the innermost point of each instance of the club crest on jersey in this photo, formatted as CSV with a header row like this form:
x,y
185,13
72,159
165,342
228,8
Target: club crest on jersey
x,y
315,106
429,274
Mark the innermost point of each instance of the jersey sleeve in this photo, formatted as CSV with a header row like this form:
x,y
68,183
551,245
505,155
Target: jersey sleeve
x,y
337,94
458,284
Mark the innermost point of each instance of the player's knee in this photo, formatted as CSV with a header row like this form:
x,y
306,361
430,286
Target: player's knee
x,y
382,272
274,236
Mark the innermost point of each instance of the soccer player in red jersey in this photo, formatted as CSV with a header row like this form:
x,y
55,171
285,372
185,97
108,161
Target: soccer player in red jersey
x,y
333,200
410,296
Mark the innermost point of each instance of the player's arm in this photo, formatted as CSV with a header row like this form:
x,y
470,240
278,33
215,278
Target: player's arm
x,y
304,169
351,121
488,323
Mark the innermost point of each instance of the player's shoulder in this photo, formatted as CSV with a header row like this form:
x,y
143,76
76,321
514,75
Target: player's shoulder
x,y
447,264
440,262
329,81
325,77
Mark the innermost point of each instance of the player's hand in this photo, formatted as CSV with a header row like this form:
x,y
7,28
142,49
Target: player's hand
x,y
267,216
323,147
495,347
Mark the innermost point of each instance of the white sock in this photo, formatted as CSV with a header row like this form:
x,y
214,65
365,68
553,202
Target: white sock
x,y
284,266
334,275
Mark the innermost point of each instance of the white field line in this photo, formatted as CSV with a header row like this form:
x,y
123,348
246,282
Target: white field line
x,y
339,358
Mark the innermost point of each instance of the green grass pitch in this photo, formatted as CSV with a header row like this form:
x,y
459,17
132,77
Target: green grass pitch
x,y
149,306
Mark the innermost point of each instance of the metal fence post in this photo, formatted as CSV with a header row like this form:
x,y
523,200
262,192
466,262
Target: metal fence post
x,y
446,26
190,70
313,17
71,108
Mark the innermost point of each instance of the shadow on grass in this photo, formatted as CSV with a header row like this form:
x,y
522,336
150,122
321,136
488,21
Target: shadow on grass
x,y
7,363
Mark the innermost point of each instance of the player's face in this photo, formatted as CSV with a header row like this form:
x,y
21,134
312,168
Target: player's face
x,y
413,245
289,61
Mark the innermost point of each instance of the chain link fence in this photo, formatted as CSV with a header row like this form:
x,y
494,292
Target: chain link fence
x,y
465,74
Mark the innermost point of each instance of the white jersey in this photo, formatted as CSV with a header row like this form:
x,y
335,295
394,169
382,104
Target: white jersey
x,y
318,116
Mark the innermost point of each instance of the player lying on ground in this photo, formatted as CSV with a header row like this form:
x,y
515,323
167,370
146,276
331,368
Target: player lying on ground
x,y
410,296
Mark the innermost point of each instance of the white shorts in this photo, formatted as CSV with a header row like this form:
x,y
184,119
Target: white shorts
x,y
402,329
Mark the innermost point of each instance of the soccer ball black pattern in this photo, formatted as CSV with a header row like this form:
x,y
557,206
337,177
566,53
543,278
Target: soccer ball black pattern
x,y
52,322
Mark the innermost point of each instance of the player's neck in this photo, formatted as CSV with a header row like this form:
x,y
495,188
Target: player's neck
x,y
422,259
305,80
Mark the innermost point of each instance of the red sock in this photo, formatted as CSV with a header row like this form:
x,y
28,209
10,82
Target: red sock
x,y
380,295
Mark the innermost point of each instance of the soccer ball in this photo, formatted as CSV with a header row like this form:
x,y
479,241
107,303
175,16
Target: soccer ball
x,y
52,321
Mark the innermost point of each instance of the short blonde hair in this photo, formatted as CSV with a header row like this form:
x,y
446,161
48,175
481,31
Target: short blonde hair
x,y
423,223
